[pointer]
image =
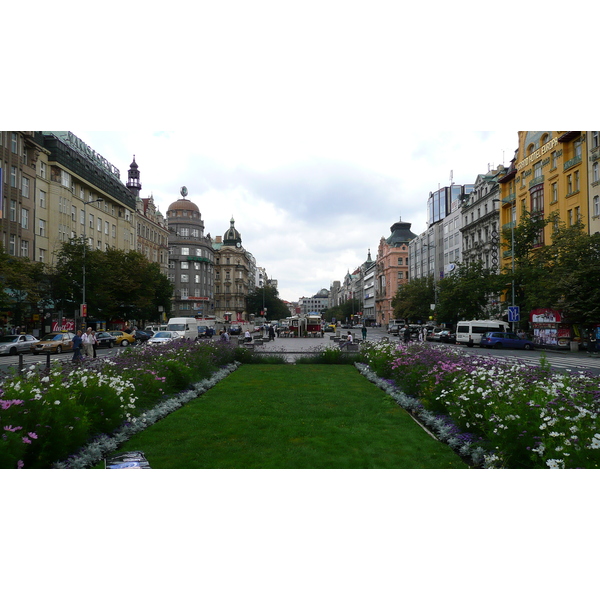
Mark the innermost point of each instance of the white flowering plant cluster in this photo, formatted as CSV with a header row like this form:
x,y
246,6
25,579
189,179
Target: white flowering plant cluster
x,y
45,416
508,415
105,445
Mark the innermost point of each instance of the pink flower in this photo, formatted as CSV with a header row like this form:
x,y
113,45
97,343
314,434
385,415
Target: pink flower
x,y
12,429
26,440
32,435
20,464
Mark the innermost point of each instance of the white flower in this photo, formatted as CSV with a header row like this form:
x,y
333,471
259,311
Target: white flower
x,y
555,463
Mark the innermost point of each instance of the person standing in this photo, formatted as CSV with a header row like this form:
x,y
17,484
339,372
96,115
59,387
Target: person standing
x,y
364,332
271,333
77,346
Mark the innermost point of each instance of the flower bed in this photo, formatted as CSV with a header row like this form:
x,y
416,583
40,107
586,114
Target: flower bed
x,y
47,415
513,416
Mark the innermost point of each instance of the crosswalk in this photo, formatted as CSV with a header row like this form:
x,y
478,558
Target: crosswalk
x,y
568,362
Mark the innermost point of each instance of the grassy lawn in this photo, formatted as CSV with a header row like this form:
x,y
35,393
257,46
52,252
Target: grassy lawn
x,y
292,417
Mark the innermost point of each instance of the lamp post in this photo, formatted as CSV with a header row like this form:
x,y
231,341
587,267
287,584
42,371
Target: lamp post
x,y
428,246
85,243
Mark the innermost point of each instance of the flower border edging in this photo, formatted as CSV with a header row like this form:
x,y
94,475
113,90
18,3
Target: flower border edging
x,y
95,451
432,423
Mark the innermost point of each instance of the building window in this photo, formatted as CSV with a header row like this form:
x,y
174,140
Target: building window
x,y
42,199
14,143
537,199
106,225
185,278
114,231
13,210
576,181
595,139
12,243
42,170
41,255
99,225
597,206
569,184
595,172
185,251
537,169
184,265
554,193
24,218
13,177
25,187
25,248
42,227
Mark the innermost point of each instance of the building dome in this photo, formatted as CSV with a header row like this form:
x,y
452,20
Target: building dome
x,y
401,234
183,204
232,236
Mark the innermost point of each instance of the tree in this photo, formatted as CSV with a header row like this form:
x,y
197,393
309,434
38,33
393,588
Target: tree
x,y
22,285
267,297
118,284
343,312
465,293
413,300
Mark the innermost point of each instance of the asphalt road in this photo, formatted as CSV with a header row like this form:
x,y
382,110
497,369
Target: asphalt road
x,y
559,360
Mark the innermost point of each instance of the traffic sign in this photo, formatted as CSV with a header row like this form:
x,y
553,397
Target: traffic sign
x,y
513,314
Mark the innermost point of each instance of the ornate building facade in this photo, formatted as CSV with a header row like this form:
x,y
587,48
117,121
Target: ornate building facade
x,y
392,269
191,260
234,276
152,231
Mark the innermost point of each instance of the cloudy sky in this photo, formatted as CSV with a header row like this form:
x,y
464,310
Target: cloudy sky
x,y
315,125
310,214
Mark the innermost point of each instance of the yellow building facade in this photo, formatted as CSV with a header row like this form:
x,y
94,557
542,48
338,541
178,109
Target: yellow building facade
x,y
548,176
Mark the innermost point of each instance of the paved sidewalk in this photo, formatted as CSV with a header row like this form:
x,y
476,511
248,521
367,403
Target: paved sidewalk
x,y
294,347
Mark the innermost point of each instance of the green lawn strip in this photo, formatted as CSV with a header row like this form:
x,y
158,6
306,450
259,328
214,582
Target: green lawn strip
x,y
292,417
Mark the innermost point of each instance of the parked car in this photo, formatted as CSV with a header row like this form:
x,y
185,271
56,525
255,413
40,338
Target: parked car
x,y
142,336
164,337
13,344
205,331
434,335
235,330
329,328
394,329
105,339
123,338
504,339
447,337
57,342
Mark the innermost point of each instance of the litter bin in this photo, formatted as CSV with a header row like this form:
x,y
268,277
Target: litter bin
x,y
574,346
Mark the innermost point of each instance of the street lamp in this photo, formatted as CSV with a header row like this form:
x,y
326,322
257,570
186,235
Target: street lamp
x,y
85,244
428,246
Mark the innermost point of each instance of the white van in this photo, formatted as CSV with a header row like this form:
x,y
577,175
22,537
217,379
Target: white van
x,y
470,332
186,327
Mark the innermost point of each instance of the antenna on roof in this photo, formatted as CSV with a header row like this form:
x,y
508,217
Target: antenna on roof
x,y
451,178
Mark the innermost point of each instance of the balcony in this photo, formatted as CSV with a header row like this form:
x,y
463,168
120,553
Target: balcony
x,y
571,163
509,199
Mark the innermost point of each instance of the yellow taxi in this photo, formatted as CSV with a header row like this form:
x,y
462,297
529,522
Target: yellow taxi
x,y
56,342
123,339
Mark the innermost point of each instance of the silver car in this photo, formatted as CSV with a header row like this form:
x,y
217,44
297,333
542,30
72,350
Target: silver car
x,y
13,344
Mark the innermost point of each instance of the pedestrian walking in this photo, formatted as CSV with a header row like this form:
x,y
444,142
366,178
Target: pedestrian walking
x,y
406,335
87,340
364,332
77,347
271,333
